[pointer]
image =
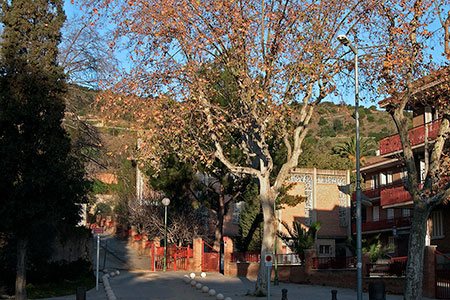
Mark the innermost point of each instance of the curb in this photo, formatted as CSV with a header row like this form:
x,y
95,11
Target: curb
x,y
203,288
105,278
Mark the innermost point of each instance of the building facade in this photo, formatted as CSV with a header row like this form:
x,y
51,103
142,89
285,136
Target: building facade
x,y
387,209
326,200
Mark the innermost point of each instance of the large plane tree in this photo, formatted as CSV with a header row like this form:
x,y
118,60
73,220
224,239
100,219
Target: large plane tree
x,y
280,57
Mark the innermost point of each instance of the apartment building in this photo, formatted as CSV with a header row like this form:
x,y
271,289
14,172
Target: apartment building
x,y
387,207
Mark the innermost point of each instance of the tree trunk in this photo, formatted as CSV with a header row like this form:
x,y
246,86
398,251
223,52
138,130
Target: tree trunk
x,y
21,271
219,224
414,267
218,243
267,199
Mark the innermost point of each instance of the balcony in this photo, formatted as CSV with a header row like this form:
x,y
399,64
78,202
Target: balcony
x,y
416,137
374,226
395,194
369,193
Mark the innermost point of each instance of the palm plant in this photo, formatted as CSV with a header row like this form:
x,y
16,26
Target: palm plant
x,y
298,238
348,148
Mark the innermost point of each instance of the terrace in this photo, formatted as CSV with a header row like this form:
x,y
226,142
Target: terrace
x,y
391,144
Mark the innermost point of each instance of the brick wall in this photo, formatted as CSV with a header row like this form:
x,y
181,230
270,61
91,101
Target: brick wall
x,y
346,278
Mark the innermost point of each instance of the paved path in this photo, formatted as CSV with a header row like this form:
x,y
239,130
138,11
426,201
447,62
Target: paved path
x,y
170,286
136,282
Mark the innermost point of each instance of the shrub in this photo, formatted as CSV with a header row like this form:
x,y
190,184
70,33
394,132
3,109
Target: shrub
x,y
381,121
371,119
322,121
326,131
338,125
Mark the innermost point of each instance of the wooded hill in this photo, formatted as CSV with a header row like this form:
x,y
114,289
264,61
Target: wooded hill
x,y
332,124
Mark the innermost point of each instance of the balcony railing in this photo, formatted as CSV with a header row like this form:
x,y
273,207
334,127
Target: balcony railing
x,y
395,194
376,192
369,193
384,224
416,137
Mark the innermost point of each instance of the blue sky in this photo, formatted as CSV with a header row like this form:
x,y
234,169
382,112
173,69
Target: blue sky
x,y
347,96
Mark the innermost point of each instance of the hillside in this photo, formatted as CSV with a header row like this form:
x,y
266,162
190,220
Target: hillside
x,y
331,124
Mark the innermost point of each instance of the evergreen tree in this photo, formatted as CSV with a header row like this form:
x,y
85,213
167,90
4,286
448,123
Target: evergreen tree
x,y
40,182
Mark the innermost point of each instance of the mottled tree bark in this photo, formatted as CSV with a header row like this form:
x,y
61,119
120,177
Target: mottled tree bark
x,y
414,267
267,199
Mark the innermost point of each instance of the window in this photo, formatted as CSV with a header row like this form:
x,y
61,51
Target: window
x,y
406,212
422,171
437,228
375,183
391,244
404,174
390,213
324,249
386,178
375,213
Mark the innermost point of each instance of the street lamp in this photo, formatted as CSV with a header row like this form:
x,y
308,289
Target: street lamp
x,y
346,42
165,202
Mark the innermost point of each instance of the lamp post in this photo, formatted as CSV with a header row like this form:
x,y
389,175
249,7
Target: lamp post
x,y
346,42
165,202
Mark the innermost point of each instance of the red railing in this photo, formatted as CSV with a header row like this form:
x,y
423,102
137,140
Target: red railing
x,y
396,266
345,262
416,136
384,224
245,257
376,192
442,275
395,194
369,193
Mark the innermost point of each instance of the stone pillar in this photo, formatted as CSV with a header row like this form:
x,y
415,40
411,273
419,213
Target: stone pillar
x,y
143,242
429,272
133,232
227,251
197,248
310,254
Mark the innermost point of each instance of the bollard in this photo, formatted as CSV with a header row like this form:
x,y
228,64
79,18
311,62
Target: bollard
x,y
377,291
81,293
284,294
333,294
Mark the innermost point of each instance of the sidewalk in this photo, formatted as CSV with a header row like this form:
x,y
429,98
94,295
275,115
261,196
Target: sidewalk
x,y
170,286
136,282
120,255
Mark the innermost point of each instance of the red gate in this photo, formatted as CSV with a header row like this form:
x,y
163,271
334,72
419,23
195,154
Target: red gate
x,y
177,258
442,269
210,258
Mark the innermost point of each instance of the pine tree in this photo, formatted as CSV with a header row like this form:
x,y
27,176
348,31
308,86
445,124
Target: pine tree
x,y
40,182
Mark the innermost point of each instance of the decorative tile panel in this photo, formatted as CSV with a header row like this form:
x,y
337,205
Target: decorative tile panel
x,y
307,180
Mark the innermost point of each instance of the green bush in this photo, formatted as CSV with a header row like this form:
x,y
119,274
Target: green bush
x,y
326,131
381,121
377,135
371,119
322,121
338,125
